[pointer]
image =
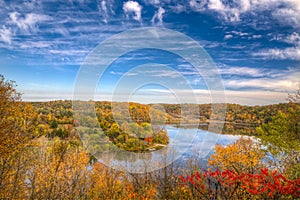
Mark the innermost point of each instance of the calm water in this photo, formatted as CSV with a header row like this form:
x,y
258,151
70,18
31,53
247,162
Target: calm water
x,y
184,144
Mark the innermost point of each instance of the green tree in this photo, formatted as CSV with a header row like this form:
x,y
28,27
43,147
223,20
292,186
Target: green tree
x,y
281,136
53,124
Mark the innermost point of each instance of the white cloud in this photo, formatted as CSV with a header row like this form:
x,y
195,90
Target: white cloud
x,y
295,3
244,5
178,8
229,13
27,23
216,5
256,36
288,16
153,2
103,10
32,5
133,7
288,81
269,84
239,33
5,34
227,37
158,16
35,44
294,38
106,9
285,11
198,5
241,71
124,74
292,53
70,52
165,73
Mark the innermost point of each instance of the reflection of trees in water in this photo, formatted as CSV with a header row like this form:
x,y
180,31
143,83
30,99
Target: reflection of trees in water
x,y
239,129
229,128
125,156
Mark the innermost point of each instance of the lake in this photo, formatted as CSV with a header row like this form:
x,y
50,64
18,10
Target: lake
x,y
185,143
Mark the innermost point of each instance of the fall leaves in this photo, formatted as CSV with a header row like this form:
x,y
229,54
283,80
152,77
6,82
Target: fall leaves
x,y
38,161
17,128
243,155
228,184
240,173
57,170
18,121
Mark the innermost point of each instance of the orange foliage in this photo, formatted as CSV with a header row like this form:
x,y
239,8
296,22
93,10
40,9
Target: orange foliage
x,y
243,155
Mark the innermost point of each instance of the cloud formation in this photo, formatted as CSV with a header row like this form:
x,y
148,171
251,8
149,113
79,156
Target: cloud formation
x,y
103,10
285,11
106,10
241,71
291,53
134,7
158,16
29,22
5,34
279,81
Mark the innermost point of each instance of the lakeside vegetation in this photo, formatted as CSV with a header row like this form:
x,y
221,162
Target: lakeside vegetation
x,y
42,157
56,118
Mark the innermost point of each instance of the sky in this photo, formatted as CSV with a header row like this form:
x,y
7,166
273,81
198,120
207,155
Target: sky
x,y
254,45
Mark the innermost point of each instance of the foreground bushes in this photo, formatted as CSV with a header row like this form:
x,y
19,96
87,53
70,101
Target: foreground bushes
x,y
228,184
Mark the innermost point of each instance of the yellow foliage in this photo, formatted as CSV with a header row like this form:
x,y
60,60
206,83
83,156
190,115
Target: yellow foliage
x,y
243,155
57,171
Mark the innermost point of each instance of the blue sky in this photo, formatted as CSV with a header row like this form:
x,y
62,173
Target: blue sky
x,y
254,44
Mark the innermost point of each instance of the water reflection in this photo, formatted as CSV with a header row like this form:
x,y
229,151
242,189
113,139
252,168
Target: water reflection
x,y
184,143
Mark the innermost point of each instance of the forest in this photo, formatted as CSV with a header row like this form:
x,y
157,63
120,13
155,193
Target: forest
x,y
56,118
42,155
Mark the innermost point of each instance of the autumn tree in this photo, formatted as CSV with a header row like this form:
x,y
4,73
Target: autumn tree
x,y
58,170
17,128
244,155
